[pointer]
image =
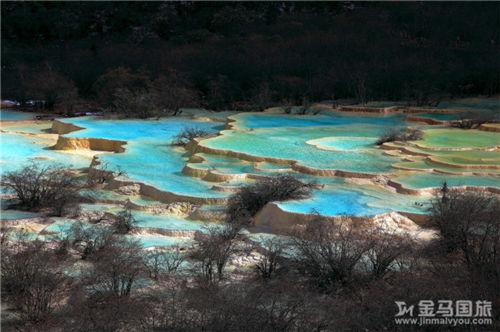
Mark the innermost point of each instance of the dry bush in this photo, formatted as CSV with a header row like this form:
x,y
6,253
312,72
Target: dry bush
x,y
336,255
469,222
272,258
245,203
87,240
213,252
163,262
101,173
473,120
38,187
116,267
124,222
187,134
32,280
399,134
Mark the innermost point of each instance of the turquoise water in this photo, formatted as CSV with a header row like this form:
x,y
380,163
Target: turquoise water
x,y
166,222
17,151
15,214
270,120
458,138
290,144
348,140
61,226
356,201
286,136
332,203
439,116
425,180
162,130
9,115
160,165
149,157
345,143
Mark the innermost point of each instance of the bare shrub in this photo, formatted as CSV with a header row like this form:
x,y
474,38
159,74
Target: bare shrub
x,y
271,259
473,120
390,251
163,262
87,239
125,221
39,187
328,253
213,251
102,173
116,267
31,280
245,203
97,311
469,221
399,134
187,134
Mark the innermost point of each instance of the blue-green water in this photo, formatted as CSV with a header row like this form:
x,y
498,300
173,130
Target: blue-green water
x,y
18,151
426,180
10,115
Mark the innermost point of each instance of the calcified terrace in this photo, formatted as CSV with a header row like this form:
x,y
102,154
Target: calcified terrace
x,y
334,147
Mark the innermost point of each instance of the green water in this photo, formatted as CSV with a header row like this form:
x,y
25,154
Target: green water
x,y
427,180
458,138
290,144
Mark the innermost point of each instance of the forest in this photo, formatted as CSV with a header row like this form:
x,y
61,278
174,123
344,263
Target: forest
x,y
247,55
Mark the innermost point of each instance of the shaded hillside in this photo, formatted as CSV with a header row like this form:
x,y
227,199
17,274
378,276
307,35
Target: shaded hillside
x,y
251,55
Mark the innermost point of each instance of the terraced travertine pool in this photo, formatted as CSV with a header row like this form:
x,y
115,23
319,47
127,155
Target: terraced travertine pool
x,y
333,149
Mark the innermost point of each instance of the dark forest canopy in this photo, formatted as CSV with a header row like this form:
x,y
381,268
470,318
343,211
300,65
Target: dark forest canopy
x,y
251,55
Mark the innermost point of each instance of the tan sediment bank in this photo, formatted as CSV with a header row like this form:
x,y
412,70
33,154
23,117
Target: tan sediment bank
x,y
434,160
62,128
165,232
400,188
75,143
94,144
164,196
428,121
495,127
274,219
211,175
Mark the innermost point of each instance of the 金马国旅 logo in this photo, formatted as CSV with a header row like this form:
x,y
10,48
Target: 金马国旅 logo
x,y
444,312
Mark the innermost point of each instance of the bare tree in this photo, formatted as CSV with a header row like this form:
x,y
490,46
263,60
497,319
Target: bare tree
x,y
328,252
173,91
390,248
100,173
472,120
469,221
399,134
161,262
125,221
88,239
269,263
52,87
32,279
116,267
214,250
39,187
245,203
187,134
